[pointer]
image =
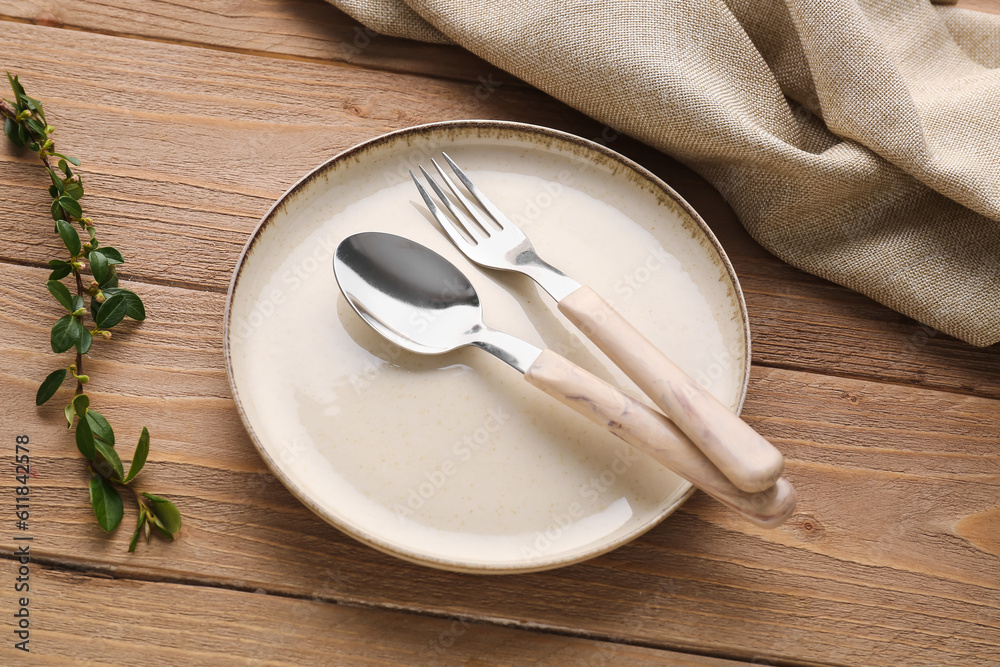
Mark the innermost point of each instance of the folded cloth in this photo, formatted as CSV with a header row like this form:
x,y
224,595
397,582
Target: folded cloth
x,y
858,140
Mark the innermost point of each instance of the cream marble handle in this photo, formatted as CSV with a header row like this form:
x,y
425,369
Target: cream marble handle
x,y
746,458
654,434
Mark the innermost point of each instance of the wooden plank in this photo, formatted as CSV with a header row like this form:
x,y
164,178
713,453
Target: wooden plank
x,y
196,157
303,29
81,617
907,577
990,6
171,157
310,30
891,558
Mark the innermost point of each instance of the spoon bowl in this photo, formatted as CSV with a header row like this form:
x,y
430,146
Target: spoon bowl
x,y
418,299
407,292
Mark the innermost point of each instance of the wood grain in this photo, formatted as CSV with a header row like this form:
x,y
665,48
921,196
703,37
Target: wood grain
x,y
196,158
309,30
141,623
892,558
177,157
889,560
990,6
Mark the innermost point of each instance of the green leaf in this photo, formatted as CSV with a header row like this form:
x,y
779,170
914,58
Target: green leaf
x,y
160,530
10,128
70,413
134,306
158,525
71,206
77,302
36,126
64,168
112,255
136,310
61,272
50,385
112,311
81,404
62,269
66,333
139,458
94,308
112,280
165,513
15,85
98,266
85,341
57,212
111,456
71,160
84,436
35,105
69,236
106,502
135,539
100,426
140,521
74,190
56,181
53,191
62,295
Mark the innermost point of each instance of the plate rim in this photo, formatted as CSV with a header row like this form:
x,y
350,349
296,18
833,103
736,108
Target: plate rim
x,y
446,126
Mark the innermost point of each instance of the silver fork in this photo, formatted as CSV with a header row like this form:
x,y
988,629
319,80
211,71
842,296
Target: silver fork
x,y
487,237
497,242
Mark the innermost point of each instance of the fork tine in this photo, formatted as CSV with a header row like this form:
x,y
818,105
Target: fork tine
x,y
447,224
485,222
500,219
464,222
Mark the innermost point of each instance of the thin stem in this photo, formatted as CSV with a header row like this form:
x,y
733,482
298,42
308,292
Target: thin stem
x,y
43,156
8,110
40,143
79,356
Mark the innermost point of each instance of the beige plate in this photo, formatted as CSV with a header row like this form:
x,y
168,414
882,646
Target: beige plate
x,y
454,461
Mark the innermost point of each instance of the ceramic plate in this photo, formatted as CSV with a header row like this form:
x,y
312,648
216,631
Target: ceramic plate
x,y
454,461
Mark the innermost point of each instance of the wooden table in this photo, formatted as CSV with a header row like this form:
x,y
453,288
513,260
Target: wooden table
x,y
192,117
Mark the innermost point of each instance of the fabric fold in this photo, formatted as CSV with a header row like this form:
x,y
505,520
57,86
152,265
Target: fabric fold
x,y
857,141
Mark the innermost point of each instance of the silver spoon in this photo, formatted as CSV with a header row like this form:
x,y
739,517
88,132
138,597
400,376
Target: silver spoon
x,y
419,300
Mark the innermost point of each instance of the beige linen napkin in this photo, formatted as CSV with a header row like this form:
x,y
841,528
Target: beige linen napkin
x,y
859,141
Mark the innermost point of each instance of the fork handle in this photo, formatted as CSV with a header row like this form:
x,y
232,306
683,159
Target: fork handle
x,y
650,432
742,454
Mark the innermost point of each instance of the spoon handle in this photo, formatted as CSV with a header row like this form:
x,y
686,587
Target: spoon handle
x,y
654,434
742,454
